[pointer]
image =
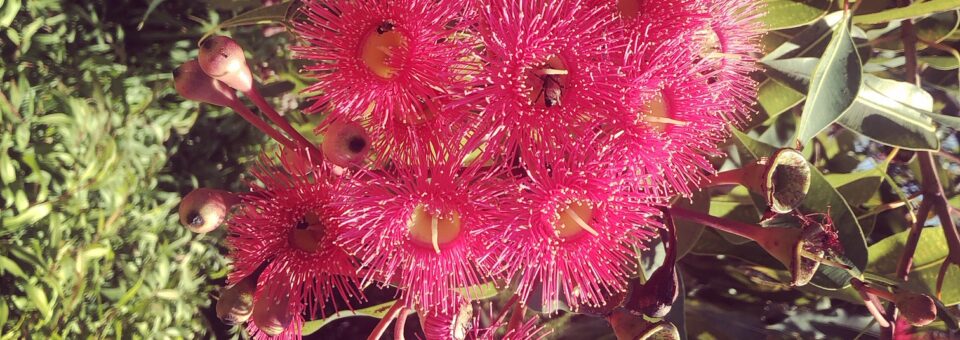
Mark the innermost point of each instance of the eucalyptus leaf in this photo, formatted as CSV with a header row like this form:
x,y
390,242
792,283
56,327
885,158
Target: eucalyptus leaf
x,y
885,256
775,98
833,86
915,10
782,14
892,112
936,27
376,311
944,63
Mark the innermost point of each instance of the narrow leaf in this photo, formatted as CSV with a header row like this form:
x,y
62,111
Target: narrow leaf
x,y
833,86
792,13
917,9
892,112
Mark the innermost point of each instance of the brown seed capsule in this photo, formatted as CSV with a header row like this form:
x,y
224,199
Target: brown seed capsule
x,y
783,179
346,143
203,210
191,83
222,58
918,309
271,313
236,302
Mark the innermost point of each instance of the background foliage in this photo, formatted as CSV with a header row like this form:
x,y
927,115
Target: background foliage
x,y
96,149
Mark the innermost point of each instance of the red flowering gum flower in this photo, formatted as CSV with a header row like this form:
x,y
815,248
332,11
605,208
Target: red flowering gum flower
x,y
729,43
580,227
384,63
547,72
675,123
287,227
424,226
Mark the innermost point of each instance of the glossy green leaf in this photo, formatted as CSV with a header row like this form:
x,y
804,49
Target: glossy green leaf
x,y
689,232
833,86
782,14
915,10
935,28
377,311
776,98
794,72
821,198
952,122
941,62
857,187
892,112
929,255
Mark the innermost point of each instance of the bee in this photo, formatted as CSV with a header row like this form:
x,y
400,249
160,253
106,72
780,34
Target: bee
x,y
386,26
551,90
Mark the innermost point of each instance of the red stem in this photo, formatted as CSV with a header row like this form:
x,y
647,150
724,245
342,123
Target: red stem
x,y
933,191
910,247
252,118
516,318
275,117
747,230
401,324
385,321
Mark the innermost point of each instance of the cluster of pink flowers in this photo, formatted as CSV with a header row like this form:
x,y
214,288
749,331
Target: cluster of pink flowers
x,y
525,143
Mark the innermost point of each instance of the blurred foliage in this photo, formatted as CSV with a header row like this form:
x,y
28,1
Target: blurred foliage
x,y
96,149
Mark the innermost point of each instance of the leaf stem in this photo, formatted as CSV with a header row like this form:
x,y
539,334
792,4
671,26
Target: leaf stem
x,y
385,321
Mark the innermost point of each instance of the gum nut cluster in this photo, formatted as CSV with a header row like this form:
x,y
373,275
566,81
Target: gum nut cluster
x,y
525,143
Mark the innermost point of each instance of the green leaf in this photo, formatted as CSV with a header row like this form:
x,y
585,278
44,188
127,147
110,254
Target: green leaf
x,y
942,63
856,187
689,232
833,86
948,121
755,148
39,299
153,5
9,12
30,216
792,13
378,311
932,28
892,112
821,198
11,267
264,15
794,72
4,313
917,9
776,98
933,250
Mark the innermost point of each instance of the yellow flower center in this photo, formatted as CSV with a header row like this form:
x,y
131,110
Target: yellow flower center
x,y
429,229
574,220
378,47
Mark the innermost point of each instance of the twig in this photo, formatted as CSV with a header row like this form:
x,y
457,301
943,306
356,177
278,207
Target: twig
x,y
385,321
401,324
910,247
909,36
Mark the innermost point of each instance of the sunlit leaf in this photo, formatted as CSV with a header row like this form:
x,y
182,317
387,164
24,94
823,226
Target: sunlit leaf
x,y
782,14
917,9
833,86
892,112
